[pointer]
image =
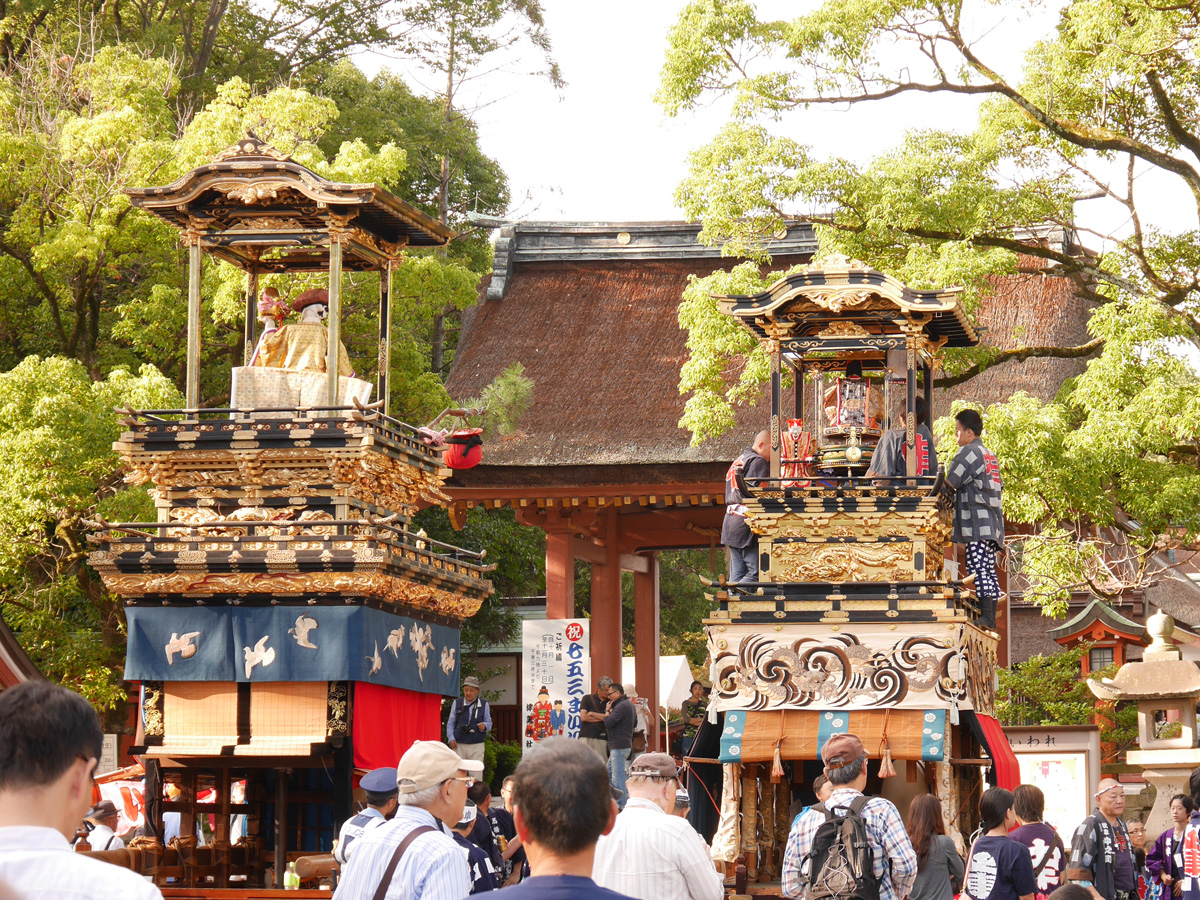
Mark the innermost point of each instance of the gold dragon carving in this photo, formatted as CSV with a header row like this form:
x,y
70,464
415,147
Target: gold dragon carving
x,y
841,562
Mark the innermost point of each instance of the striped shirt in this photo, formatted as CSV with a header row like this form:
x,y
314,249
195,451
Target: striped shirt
x,y
653,856
432,868
894,862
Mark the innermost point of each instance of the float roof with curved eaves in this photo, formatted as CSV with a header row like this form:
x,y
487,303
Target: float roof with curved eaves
x,y
844,305
258,208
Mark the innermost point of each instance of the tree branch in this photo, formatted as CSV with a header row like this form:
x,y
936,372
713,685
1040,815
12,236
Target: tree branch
x,y
1019,354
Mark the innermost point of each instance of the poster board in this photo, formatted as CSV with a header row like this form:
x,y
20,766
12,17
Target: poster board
x,y
556,676
1064,762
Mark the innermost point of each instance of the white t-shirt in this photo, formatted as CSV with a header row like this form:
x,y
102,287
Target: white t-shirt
x,y
39,864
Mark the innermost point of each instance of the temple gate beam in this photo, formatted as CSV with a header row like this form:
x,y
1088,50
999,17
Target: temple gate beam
x,y
646,631
606,604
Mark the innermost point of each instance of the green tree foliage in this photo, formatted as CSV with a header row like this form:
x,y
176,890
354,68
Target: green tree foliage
x,y
99,286
266,43
452,39
1048,690
385,110
519,554
56,432
1105,98
682,606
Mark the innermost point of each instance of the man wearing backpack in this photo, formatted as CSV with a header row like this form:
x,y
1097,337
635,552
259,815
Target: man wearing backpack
x,y
826,856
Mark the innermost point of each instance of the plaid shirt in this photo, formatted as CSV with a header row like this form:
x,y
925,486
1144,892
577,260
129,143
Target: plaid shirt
x,y
978,516
890,847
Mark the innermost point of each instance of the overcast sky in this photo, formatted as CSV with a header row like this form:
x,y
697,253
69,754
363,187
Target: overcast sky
x,y
602,149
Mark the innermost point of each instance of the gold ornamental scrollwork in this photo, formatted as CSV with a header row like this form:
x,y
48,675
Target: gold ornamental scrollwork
x,y
152,709
338,708
843,328
838,299
842,562
252,192
373,584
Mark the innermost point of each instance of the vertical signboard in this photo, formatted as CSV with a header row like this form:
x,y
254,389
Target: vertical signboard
x,y
555,679
1064,761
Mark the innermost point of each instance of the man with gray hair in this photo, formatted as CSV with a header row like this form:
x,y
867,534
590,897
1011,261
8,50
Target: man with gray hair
x,y
651,853
893,862
412,856
469,722
592,710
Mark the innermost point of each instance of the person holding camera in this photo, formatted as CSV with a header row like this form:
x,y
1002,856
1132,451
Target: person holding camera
x,y
470,721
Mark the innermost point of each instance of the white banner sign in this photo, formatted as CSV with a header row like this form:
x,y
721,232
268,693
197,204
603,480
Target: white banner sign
x,y
555,677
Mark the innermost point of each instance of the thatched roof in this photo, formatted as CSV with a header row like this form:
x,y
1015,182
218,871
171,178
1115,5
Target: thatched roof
x,y
1027,311
591,311
600,338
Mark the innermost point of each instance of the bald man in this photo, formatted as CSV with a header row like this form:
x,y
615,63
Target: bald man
x,y
754,464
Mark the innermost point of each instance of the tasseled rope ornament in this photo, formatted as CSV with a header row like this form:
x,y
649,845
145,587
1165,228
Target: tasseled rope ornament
x,y
777,762
886,769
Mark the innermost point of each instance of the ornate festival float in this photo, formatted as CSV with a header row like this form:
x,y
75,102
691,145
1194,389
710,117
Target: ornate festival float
x,y
285,626
853,625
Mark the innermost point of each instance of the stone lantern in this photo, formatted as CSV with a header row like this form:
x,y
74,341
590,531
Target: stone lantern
x,y
1166,688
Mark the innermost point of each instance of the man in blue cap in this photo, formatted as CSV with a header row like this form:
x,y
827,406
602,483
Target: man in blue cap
x,y
381,790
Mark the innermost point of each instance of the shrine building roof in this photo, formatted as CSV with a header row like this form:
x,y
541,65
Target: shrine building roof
x,y
256,207
1098,612
591,311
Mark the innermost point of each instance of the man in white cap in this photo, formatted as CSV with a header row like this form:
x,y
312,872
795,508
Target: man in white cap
x,y
469,722
412,856
1101,855
481,869
651,853
380,787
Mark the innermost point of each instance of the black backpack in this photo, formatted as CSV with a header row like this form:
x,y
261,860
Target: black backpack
x,y
840,865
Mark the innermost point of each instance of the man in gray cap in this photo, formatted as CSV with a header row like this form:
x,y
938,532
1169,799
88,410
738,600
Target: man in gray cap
x,y
651,853
469,722
380,787
893,862
411,856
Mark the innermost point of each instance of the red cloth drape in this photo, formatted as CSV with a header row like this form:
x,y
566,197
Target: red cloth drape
x,y
1008,770
387,720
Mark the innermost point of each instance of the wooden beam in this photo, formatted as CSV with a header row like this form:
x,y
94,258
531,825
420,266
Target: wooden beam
x,y
590,552
633,562
333,321
250,325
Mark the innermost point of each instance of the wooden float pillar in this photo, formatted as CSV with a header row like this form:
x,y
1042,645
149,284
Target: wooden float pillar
x,y
191,239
